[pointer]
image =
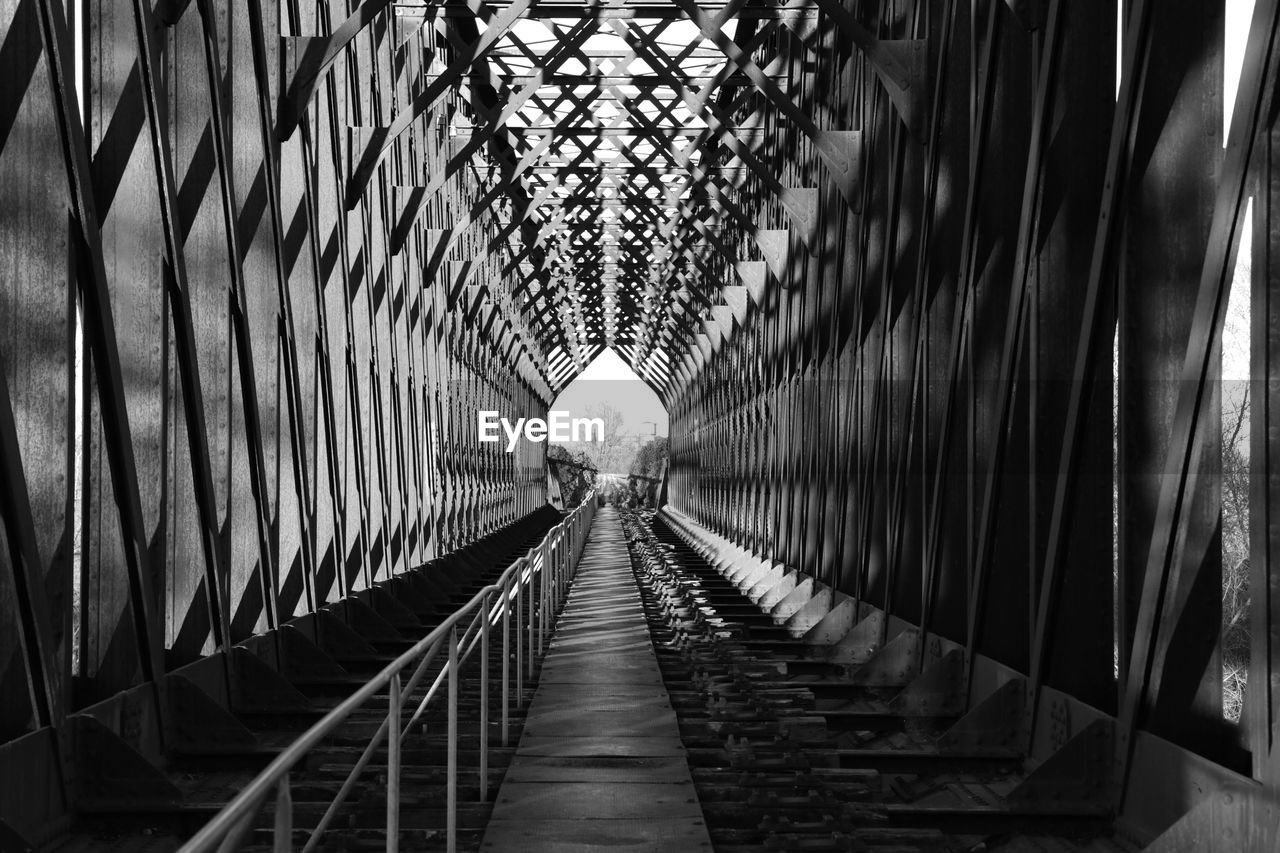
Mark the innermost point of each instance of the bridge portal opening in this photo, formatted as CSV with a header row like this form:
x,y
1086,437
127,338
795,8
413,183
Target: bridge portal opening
x,y
626,461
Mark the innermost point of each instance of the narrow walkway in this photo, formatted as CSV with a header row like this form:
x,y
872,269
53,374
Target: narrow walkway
x,y
600,765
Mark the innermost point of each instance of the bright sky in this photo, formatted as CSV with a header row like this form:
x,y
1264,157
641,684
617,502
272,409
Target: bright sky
x,y
1235,345
1239,13
609,380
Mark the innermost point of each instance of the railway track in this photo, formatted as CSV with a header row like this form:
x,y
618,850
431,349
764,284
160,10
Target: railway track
x,y
789,752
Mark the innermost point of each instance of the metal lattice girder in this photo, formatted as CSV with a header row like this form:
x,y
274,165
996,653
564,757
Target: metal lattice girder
x,y
502,45
951,467
871,256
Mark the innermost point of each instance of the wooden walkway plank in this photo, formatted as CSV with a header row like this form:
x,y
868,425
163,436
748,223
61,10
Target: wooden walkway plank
x,y
600,765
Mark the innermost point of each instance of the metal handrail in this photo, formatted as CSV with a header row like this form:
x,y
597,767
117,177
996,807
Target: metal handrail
x,y
545,571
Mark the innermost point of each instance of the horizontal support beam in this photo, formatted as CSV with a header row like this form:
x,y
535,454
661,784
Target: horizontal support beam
x,y
578,11
640,80
626,170
630,130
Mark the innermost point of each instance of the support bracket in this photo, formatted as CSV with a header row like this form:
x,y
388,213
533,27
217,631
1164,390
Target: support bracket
x,y
256,686
938,691
1233,820
891,666
197,723
118,777
997,722
1077,777
13,842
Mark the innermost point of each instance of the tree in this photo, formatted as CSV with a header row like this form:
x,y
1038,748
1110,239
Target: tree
x,y
1235,487
613,453
1235,552
647,469
575,473
651,458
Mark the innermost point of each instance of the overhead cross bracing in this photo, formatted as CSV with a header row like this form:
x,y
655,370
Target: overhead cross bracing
x,y
625,154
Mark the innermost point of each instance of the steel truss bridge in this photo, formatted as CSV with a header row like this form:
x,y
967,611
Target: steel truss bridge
x,y
937,294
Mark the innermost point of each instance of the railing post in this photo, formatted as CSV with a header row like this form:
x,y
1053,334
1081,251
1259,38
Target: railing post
x,y
506,660
559,590
484,700
565,544
282,841
548,589
529,629
542,594
393,765
554,593
520,636
451,780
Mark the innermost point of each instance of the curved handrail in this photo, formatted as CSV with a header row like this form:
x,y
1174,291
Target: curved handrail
x,y
541,563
